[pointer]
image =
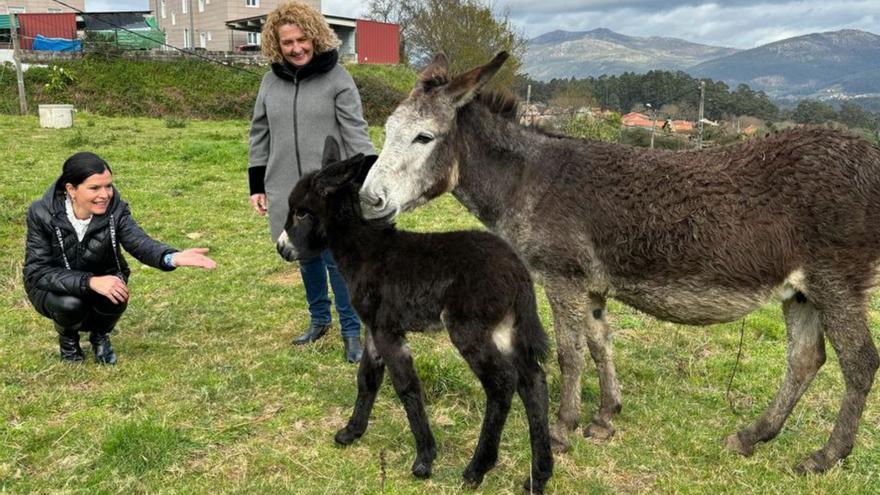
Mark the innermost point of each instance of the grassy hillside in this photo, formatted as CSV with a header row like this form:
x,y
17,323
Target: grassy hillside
x,y
183,88
209,397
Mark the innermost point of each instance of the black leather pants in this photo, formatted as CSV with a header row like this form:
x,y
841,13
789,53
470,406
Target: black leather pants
x,y
92,313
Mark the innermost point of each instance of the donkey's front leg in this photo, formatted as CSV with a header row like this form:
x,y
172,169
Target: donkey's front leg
x,y
396,354
601,350
369,378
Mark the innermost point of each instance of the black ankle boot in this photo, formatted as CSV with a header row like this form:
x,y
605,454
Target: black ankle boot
x,y
313,333
104,353
68,342
353,349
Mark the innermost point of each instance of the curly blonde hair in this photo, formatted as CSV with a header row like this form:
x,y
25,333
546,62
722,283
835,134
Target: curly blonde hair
x,y
312,23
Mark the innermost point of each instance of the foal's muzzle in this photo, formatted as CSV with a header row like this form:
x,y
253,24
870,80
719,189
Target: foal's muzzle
x,y
285,248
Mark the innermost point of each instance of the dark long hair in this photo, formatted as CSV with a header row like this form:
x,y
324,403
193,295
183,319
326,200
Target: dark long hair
x,y
79,167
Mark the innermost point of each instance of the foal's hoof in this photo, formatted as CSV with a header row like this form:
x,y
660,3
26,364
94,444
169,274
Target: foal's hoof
x,y
598,432
345,436
472,478
559,441
534,486
421,470
735,444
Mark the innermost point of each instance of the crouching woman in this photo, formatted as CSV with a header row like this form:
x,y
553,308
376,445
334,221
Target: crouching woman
x,y
74,270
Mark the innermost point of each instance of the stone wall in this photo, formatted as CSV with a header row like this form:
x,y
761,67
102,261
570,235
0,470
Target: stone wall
x,y
43,57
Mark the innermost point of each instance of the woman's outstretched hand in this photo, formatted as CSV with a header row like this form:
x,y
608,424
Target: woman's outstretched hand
x,y
194,257
111,287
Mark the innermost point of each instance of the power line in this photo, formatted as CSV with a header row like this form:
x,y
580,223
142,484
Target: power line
x,y
181,50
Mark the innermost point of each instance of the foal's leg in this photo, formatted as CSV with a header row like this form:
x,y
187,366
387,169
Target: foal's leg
x,y
396,355
846,327
496,373
806,354
601,350
369,378
532,388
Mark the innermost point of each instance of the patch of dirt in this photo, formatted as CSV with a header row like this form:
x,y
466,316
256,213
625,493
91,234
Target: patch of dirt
x,y
287,278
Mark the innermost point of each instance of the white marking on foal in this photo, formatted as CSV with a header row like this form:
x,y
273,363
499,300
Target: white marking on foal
x,y
283,239
502,336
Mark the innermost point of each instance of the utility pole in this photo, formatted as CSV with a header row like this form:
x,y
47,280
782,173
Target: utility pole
x,y
529,103
700,122
16,57
653,122
192,29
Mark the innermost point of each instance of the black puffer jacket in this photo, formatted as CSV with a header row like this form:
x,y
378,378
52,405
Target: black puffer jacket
x,y
44,267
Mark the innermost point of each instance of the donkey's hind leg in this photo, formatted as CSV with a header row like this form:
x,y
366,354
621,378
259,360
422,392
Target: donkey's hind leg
x,y
397,357
498,377
532,388
846,327
369,378
806,354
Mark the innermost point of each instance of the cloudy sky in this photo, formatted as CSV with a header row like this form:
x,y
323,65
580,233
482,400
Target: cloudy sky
x,y
735,23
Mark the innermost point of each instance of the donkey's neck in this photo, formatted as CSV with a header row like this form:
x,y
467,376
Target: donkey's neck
x,y
492,165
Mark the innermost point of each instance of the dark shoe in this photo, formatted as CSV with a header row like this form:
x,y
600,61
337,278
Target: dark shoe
x,y
68,342
353,349
103,349
313,333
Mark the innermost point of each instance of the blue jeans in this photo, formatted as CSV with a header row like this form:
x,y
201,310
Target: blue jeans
x,y
314,274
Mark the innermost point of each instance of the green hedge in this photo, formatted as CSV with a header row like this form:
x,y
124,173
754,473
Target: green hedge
x,y
182,88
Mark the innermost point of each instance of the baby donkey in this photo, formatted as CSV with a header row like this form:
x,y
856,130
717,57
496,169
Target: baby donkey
x,y
471,282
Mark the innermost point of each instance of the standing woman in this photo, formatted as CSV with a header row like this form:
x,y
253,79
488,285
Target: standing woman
x,y
74,271
306,97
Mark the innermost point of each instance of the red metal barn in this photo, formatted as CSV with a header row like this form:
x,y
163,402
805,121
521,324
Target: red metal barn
x,y
61,25
377,42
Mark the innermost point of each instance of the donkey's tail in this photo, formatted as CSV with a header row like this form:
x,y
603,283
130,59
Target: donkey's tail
x,y
532,344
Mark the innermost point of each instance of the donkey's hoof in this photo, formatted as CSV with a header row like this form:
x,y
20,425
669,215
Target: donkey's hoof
x,y
815,464
735,444
559,441
421,470
345,436
598,432
534,486
471,477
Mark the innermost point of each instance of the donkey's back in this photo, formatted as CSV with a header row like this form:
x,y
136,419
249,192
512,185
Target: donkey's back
x,y
703,237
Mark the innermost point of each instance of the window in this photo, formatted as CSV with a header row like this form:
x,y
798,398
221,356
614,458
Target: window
x,y
16,10
252,3
54,11
201,5
184,5
173,19
162,8
186,38
203,39
253,38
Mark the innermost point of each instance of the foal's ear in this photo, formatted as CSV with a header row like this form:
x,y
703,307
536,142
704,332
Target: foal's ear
x,y
434,75
331,151
464,87
334,176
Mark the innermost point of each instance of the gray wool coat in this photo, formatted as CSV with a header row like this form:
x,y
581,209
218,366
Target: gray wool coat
x,y
289,126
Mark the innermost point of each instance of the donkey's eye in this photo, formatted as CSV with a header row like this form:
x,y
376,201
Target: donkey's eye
x,y
423,138
300,215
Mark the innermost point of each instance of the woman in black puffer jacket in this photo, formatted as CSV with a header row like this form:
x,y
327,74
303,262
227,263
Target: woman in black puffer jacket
x,y
74,271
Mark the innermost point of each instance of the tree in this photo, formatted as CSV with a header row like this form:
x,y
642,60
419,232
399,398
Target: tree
x,y
853,115
467,31
813,112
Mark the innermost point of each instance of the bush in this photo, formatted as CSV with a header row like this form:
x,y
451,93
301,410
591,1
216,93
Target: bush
x,y
379,99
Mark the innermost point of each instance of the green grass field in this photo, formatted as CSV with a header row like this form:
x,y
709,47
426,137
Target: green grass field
x,y
209,397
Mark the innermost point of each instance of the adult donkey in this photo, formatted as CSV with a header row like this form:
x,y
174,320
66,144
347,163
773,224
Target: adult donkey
x,y
689,237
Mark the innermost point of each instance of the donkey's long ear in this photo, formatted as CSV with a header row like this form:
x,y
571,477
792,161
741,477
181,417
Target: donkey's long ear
x,y
331,152
334,176
464,87
434,75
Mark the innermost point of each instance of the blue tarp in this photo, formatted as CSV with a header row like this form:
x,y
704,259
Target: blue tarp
x,y
56,44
